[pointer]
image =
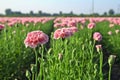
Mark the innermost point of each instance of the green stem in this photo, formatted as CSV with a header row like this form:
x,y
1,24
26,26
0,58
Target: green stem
x,y
33,77
110,67
41,63
36,63
101,64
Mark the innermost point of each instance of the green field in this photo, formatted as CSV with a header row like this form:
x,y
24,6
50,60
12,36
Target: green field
x,y
66,58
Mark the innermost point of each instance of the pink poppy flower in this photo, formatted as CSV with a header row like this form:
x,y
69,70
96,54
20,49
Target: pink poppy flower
x,y
62,33
110,33
91,25
35,38
97,36
1,27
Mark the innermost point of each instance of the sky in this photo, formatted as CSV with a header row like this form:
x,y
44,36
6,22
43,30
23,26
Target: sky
x,y
54,6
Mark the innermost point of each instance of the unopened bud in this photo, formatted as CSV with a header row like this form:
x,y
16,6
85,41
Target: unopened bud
x,y
111,59
60,56
33,68
28,74
98,47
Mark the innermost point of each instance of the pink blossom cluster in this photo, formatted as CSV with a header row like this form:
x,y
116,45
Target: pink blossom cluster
x,y
12,21
35,38
68,22
97,36
64,32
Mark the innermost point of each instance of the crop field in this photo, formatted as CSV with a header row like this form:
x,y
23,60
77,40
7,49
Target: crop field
x,y
61,48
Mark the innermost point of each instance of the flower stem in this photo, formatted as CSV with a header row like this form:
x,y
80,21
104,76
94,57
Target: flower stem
x,y
110,67
36,63
101,64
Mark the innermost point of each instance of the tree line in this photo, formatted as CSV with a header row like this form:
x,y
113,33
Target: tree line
x,y
10,13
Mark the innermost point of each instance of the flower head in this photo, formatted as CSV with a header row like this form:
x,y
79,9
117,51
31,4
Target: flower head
x,y
117,31
97,36
91,25
110,33
1,27
98,47
63,33
35,38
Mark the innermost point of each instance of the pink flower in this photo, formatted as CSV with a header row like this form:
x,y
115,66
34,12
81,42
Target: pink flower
x,y
117,31
1,27
111,25
97,36
110,33
98,47
62,33
74,29
91,25
35,38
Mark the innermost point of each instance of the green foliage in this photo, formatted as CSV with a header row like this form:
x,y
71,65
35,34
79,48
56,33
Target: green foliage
x,y
15,58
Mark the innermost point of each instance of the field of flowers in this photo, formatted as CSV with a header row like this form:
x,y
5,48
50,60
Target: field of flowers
x,y
63,48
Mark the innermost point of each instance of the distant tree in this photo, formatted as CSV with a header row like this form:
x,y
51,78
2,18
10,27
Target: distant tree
x,y
60,13
95,14
82,15
31,13
8,12
105,14
111,12
71,13
40,12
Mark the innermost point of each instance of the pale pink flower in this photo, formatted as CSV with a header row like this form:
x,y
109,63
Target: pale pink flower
x,y
35,38
111,25
62,33
98,47
117,31
91,25
110,33
97,36
1,26
74,29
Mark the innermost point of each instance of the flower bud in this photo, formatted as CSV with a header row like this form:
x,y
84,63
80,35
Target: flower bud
x,y
60,56
33,68
28,74
98,47
111,59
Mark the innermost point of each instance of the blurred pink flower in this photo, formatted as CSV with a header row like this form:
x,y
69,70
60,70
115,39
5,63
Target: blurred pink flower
x,y
97,36
74,29
110,33
98,47
63,33
111,25
117,31
35,38
91,25
1,26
